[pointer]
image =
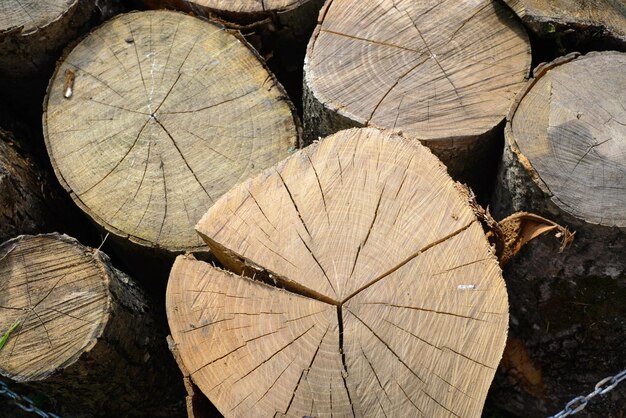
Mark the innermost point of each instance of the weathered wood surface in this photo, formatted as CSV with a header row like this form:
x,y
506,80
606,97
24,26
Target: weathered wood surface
x,y
242,11
154,115
32,32
361,284
583,19
442,73
278,29
565,158
87,336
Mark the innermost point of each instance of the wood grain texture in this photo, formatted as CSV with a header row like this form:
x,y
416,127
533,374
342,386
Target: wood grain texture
x,y
59,295
249,6
569,126
239,7
87,335
556,163
444,73
167,113
367,289
607,15
32,31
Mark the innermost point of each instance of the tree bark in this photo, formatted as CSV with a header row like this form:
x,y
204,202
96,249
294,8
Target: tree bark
x,y
298,15
33,32
153,116
360,284
575,23
564,159
443,75
28,203
87,336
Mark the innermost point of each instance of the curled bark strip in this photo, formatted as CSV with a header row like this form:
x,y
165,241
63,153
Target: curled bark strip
x,y
517,230
513,232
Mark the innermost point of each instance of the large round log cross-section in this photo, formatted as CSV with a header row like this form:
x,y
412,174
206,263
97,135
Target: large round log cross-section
x,y
444,73
568,131
360,284
156,114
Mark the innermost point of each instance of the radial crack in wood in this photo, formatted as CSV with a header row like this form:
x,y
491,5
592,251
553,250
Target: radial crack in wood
x,y
87,335
568,128
442,74
412,316
167,112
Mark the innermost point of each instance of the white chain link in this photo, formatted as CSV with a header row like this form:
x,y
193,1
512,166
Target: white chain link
x,y
602,387
23,402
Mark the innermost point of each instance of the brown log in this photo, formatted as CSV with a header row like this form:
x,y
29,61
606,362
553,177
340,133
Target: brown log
x,y
564,159
443,74
87,337
575,22
32,32
360,284
29,201
278,29
298,15
153,116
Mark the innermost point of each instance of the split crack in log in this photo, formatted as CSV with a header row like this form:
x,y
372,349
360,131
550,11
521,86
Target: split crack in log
x,y
288,240
162,122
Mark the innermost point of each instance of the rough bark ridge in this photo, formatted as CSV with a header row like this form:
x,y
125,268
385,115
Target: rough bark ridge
x,y
575,20
154,115
87,336
295,14
28,203
32,32
361,284
443,74
564,159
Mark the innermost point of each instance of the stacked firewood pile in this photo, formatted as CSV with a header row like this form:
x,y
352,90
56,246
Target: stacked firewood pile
x,y
305,208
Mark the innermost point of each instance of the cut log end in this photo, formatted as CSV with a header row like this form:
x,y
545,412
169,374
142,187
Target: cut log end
x,y
569,132
368,285
444,75
57,294
163,121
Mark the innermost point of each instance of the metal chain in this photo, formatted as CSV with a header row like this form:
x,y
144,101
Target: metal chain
x,y
602,387
23,402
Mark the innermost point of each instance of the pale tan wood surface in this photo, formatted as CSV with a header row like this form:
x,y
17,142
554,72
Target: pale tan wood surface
x,y
368,289
167,113
569,126
607,14
59,294
30,14
445,73
249,6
